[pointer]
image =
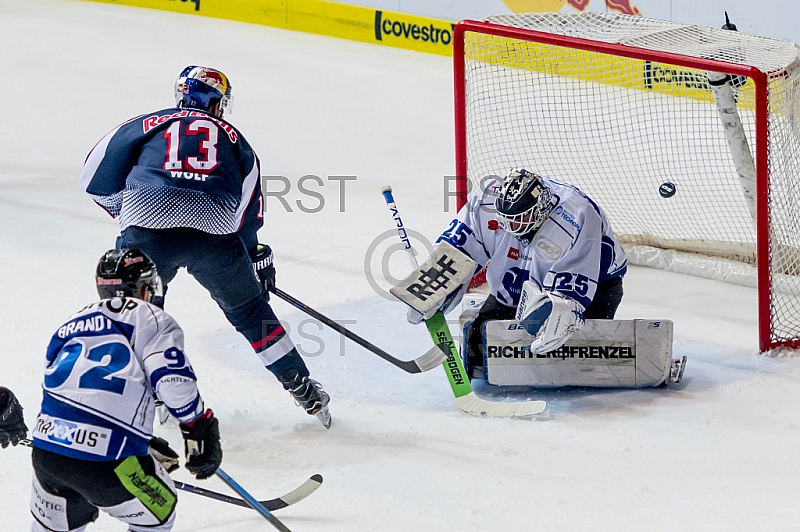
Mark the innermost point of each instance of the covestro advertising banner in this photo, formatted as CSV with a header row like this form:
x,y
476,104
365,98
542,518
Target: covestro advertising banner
x,y
357,23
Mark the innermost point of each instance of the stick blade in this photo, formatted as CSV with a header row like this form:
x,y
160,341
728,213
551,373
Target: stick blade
x,y
474,405
301,492
432,359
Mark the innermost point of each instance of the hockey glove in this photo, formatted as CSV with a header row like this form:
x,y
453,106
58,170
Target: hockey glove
x,y
262,265
166,455
12,424
550,317
201,444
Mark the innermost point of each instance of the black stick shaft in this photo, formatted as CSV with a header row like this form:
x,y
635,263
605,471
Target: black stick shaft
x,y
269,504
350,335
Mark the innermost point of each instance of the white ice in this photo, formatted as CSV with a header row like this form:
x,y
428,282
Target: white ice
x,y
719,452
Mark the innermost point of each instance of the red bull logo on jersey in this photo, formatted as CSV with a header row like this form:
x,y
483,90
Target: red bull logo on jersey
x,y
152,121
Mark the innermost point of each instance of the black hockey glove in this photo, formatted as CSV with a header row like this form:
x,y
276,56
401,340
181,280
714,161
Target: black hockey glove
x,y
166,455
201,444
262,264
12,424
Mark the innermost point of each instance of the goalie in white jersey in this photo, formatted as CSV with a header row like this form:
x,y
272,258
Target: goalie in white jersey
x,y
93,442
546,239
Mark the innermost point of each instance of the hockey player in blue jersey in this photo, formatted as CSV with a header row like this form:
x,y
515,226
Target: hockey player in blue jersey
x,y
185,187
105,367
544,239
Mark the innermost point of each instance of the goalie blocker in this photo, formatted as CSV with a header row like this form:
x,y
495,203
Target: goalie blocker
x,y
438,284
603,354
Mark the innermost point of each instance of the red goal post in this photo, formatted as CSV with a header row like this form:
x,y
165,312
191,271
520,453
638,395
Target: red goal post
x,y
687,136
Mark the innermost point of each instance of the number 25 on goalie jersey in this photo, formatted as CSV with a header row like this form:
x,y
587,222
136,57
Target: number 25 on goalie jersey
x,y
104,369
572,252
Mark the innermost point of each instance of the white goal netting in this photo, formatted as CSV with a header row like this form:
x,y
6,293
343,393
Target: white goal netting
x,y
642,134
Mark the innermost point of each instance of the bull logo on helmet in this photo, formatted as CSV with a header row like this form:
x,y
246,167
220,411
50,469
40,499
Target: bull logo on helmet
x,y
214,78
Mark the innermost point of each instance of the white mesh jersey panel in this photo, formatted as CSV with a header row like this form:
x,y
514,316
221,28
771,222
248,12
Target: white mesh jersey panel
x,y
162,207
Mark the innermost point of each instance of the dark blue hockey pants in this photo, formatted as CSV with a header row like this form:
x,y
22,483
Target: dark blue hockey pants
x,y
221,264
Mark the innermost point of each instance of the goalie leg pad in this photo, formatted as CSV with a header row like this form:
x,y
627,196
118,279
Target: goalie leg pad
x,y
604,354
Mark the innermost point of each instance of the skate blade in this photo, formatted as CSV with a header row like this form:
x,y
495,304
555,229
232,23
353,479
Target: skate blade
x,y
324,416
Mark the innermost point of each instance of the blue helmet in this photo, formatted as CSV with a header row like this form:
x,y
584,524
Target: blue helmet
x,y
200,87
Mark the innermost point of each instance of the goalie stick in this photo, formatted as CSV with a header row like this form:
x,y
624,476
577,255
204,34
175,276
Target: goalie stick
x,y
466,399
293,497
429,360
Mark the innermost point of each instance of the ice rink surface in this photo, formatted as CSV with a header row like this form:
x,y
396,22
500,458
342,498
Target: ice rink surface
x,y
717,452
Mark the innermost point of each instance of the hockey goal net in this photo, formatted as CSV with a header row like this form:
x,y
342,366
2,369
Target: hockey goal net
x,y
687,136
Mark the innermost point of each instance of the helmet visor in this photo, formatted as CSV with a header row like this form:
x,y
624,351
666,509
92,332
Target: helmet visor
x,y
518,224
156,286
226,104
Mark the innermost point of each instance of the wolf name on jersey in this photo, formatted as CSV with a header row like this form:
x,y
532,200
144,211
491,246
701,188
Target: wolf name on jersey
x,y
104,369
571,252
177,168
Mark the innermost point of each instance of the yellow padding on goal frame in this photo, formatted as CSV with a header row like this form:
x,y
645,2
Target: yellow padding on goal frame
x,y
333,19
605,69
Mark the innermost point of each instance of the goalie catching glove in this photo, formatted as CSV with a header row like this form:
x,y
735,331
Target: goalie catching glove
x,y
263,267
550,317
201,445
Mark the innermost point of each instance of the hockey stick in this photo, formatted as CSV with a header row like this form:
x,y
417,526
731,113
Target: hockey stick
x,y
296,495
466,399
429,360
251,501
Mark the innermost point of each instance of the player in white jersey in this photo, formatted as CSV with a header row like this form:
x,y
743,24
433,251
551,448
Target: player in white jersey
x,y
105,367
535,229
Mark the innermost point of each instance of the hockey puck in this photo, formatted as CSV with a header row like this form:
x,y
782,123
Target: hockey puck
x,y
667,189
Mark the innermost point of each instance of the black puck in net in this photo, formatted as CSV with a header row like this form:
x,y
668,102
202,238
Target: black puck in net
x,y
667,189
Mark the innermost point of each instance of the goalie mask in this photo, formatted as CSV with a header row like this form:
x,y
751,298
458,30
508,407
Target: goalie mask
x,y
201,87
523,203
125,273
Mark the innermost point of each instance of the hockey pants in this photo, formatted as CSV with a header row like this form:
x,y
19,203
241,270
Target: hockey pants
x,y
221,264
67,493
